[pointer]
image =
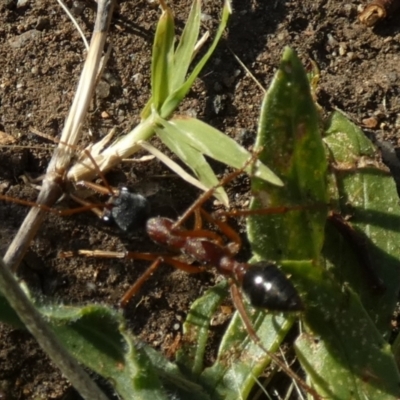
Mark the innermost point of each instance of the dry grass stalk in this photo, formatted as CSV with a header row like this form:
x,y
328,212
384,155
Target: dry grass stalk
x,y
55,177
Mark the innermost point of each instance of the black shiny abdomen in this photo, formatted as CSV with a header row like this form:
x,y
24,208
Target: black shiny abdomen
x,y
267,287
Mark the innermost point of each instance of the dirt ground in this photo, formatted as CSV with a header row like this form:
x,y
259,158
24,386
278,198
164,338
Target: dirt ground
x,y
41,56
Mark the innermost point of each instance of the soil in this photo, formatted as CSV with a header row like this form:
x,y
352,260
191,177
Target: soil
x,y
41,56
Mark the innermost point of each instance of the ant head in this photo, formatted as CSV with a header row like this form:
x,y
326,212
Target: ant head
x,y
267,286
159,230
129,211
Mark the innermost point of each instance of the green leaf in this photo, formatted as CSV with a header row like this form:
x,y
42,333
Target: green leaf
x,y
174,381
8,315
341,349
184,52
346,141
96,336
366,193
177,96
162,59
290,135
196,329
240,360
193,159
215,144
169,69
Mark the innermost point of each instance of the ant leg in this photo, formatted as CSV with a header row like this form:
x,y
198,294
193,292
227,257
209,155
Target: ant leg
x,y
95,187
130,255
139,282
28,203
206,195
86,205
238,302
201,233
150,271
268,211
99,172
227,230
157,259
198,232
85,151
126,209
96,210
198,222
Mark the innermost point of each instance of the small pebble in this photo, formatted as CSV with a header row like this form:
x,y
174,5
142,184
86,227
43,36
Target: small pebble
x,y
78,7
205,17
22,3
332,41
176,327
137,78
102,90
23,39
370,122
42,23
342,49
351,55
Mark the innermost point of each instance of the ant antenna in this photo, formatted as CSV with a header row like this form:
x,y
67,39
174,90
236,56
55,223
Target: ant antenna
x,y
206,195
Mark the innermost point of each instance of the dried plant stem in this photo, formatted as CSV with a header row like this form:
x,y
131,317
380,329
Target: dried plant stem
x,y
54,180
74,21
378,10
34,322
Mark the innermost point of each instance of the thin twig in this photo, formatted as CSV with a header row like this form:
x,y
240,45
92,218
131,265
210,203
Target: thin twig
x,y
52,187
74,21
249,73
172,165
35,323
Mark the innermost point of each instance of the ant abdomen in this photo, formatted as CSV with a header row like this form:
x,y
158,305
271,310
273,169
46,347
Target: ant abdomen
x,y
266,286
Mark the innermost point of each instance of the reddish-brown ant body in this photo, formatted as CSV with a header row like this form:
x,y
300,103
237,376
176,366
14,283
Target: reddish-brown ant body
x,y
265,285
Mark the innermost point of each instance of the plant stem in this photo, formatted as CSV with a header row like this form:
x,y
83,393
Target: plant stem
x,y
124,147
52,187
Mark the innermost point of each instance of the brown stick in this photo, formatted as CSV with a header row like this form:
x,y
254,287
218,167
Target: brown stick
x,y
378,10
53,183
